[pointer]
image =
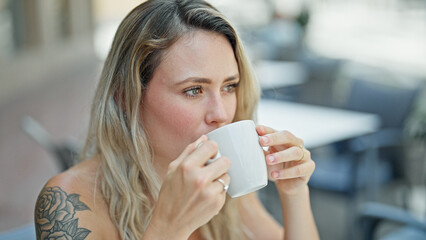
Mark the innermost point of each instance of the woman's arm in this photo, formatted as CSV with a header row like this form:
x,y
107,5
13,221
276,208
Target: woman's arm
x,y
297,216
290,166
298,219
259,223
65,210
189,197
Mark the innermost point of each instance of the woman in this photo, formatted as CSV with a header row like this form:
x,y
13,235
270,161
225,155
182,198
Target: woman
x,y
176,71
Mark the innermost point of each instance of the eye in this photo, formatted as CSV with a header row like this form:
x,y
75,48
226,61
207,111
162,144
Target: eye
x,y
193,91
230,88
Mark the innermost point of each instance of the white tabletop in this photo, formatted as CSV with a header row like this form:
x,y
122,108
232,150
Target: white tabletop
x,y
276,74
317,126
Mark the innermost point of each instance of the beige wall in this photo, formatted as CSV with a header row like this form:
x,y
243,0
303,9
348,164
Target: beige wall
x,y
57,35
105,10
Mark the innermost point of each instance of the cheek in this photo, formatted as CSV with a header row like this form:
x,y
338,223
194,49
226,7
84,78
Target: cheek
x,y
171,124
175,118
181,117
233,108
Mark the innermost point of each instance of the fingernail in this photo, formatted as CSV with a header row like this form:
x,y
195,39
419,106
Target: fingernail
x,y
275,174
200,141
261,130
271,158
199,144
265,139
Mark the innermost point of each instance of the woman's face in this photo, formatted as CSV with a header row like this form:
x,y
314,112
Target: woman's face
x,y
192,92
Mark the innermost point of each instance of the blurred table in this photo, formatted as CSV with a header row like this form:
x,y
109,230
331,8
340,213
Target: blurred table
x,y
317,126
278,74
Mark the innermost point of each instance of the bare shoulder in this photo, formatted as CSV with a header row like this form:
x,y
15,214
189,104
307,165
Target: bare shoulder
x,y
70,206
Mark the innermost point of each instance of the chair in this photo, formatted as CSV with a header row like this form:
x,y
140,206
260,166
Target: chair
x,y
366,162
392,105
321,76
373,215
65,153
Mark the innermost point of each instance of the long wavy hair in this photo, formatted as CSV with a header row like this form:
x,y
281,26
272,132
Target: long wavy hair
x,y
128,181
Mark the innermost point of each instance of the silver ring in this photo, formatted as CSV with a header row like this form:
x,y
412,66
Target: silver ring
x,y
303,152
225,186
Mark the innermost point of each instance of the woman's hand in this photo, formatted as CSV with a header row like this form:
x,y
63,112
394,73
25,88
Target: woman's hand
x,y
289,163
191,195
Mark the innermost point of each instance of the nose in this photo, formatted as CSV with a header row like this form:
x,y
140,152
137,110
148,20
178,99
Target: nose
x,y
216,111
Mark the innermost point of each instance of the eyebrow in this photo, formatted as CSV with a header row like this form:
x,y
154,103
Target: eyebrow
x,y
206,80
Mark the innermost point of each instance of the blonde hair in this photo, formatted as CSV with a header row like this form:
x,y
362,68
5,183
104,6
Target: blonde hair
x,y
129,181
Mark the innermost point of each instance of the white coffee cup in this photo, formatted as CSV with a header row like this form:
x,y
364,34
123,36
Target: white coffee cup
x,y
239,142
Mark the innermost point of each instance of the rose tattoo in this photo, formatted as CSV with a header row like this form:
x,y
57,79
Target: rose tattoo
x,y
54,215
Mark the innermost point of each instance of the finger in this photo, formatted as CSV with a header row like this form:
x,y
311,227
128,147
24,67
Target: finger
x,y
188,150
263,130
294,153
304,169
217,168
284,138
221,187
193,146
202,153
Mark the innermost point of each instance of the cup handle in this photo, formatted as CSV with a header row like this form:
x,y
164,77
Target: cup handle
x,y
214,159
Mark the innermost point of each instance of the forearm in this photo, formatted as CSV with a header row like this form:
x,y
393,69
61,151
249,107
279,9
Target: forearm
x,y
157,230
298,219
